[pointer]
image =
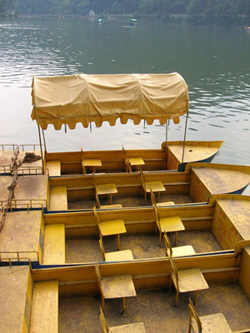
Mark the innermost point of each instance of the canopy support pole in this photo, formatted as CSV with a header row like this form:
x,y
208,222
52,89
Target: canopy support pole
x,y
167,125
44,142
41,148
184,140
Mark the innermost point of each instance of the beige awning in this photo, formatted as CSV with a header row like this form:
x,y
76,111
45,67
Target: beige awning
x,y
86,98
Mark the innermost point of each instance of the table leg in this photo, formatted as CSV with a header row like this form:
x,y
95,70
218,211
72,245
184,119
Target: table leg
x,y
176,236
123,305
195,297
118,241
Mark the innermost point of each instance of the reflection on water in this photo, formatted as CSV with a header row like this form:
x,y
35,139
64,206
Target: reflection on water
x,y
213,61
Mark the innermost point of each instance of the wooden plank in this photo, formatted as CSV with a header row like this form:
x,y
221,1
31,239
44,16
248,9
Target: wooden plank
x,y
14,285
44,315
58,198
54,244
54,168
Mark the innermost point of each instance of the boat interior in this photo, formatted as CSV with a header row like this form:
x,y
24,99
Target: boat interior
x,y
172,155
78,237
69,298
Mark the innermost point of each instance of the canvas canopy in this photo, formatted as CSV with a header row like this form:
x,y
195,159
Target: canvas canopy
x,y
86,98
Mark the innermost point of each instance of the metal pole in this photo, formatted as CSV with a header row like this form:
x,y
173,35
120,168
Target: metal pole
x,y
39,133
45,148
167,124
185,134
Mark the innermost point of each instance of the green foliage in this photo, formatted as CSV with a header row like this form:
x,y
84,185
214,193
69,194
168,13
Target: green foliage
x,y
198,11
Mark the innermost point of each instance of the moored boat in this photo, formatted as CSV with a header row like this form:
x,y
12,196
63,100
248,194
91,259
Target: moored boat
x,y
106,98
169,157
74,237
60,228
64,299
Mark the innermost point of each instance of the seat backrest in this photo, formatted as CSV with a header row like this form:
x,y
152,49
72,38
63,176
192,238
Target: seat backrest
x,y
174,271
103,322
96,216
97,200
102,247
152,197
192,313
94,180
83,166
142,180
124,152
168,246
157,217
126,160
98,274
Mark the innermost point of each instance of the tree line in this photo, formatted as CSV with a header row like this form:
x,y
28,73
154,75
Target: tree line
x,y
200,11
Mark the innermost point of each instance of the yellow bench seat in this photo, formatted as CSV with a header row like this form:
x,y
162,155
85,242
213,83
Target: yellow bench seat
x,y
54,244
44,313
54,168
58,198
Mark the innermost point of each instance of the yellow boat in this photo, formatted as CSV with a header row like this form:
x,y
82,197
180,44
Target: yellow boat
x,y
65,238
194,185
106,98
71,298
79,243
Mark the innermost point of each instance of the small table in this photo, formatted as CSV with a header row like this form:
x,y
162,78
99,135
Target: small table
x,y
171,224
93,163
118,286
136,161
108,189
191,280
112,227
155,187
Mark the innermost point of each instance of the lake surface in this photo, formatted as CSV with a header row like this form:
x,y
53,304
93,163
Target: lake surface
x,y
214,61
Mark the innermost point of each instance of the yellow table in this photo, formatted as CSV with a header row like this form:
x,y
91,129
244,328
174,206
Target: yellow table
x,y
118,286
108,189
93,163
136,161
113,227
171,224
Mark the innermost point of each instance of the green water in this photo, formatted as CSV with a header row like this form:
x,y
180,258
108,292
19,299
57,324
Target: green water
x,y
215,62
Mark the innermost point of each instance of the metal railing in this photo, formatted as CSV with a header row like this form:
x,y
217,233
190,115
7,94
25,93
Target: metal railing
x,y
5,147
27,203
15,164
12,260
5,255
23,147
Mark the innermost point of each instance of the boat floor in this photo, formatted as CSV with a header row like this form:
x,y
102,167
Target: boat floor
x,y
156,309
129,201
86,249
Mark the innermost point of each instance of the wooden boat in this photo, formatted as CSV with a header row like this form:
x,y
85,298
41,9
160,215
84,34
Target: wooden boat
x,y
101,98
169,157
54,247
195,184
68,298
73,237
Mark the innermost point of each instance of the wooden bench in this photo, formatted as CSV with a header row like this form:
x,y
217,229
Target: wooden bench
x,y
54,244
44,314
54,168
58,198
